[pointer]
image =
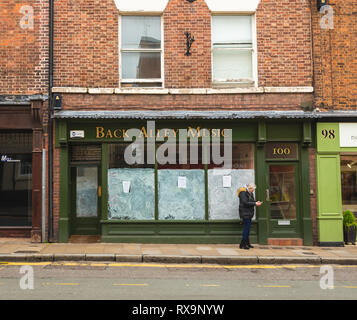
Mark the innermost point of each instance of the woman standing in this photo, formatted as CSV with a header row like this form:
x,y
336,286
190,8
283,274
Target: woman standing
x,y
246,212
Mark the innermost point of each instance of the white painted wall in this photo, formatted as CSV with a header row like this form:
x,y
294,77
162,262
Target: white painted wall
x,y
160,5
141,5
233,5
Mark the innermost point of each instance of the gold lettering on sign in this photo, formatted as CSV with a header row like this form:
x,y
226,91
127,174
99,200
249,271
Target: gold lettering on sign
x,y
120,133
100,132
115,133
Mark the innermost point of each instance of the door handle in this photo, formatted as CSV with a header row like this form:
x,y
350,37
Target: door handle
x,y
99,191
267,198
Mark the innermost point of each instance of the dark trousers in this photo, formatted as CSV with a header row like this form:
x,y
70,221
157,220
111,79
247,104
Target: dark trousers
x,y
246,230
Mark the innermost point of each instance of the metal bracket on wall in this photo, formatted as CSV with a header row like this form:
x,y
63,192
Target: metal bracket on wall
x,y
189,40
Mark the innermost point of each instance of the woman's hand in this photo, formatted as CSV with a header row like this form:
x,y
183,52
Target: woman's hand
x,y
258,203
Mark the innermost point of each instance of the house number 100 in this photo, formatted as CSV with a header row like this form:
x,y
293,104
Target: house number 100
x,y
281,151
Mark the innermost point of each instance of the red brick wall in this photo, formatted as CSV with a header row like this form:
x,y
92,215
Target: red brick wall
x,y
180,70
284,43
313,200
86,44
335,50
23,52
265,102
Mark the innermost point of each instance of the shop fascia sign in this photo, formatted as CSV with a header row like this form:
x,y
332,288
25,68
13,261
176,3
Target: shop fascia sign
x,y
190,132
348,134
166,153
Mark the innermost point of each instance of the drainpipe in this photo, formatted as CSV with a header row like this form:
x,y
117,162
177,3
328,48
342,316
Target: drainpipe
x,y
50,124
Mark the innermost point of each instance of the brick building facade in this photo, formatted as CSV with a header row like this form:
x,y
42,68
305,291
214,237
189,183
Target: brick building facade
x,y
265,100
23,104
335,82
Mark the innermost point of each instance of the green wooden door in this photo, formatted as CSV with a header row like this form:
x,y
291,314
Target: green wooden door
x,y
283,200
86,194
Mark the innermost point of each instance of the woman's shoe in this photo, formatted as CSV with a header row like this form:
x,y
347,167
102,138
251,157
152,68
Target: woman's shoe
x,y
249,245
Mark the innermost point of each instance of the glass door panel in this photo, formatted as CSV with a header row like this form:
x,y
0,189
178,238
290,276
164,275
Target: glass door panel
x,y
87,192
282,192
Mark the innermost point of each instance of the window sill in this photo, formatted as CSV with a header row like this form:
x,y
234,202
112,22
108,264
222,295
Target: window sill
x,y
187,91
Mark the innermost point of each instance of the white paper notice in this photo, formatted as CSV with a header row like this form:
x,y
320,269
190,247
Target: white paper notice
x,y
227,181
181,182
126,186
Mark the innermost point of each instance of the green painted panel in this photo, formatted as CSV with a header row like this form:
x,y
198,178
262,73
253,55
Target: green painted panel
x,y
283,131
330,230
329,185
329,198
328,137
177,232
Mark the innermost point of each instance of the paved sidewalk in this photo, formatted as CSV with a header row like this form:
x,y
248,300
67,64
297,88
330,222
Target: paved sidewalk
x,y
23,250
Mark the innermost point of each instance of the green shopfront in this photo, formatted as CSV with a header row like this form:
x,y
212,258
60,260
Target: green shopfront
x,y
336,178
182,201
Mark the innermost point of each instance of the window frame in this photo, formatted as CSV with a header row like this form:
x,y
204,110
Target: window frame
x,y
152,50
254,52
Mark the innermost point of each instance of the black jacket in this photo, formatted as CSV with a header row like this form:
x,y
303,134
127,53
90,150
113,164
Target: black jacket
x,y
246,204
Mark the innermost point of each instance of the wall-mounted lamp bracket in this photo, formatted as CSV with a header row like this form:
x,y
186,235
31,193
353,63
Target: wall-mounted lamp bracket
x,y
189,40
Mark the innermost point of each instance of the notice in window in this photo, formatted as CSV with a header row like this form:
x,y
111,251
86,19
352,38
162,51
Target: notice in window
x,y
227,181
126,186
182,182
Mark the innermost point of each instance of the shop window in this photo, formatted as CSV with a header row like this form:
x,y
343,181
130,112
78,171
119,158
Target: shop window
x,y
223,184
141,51
16,189
349,182
233,53
181,186
15,178
131,188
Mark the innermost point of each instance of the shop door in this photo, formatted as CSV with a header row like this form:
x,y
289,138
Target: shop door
x,y
282,198
86,196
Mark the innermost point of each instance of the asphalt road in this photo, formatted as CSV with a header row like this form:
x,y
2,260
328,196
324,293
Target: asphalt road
x,y
104,281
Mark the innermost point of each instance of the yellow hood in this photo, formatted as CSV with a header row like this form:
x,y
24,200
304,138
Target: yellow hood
x,y
240,190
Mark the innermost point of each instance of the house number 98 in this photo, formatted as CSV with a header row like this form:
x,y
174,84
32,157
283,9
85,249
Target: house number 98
x,y
328,134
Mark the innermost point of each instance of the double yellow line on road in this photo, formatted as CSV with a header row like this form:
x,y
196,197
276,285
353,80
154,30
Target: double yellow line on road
x,y
157,265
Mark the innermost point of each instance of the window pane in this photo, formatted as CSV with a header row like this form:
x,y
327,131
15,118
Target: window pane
x,y
223,184
141,32
282,192
87,186
349,183
192,159
16,189
131,188
116,156
242,156
136,65
232,65
231,29
181,194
